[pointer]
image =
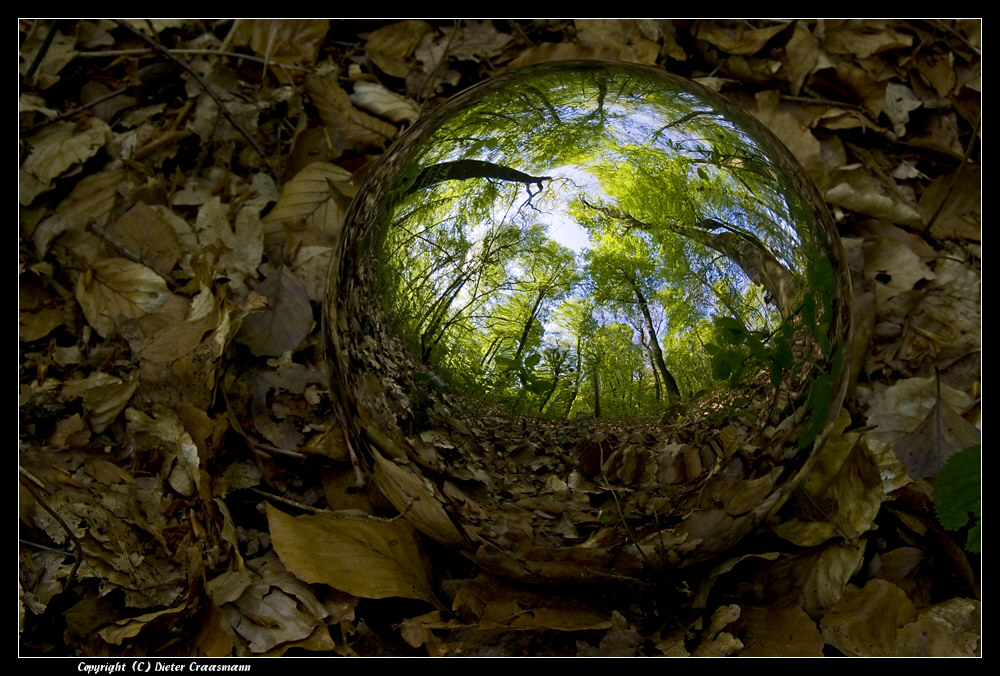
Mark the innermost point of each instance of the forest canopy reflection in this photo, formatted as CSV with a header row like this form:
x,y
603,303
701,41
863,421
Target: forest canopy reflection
x,y
601,241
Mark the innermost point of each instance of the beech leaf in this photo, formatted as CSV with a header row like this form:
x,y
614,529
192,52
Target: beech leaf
x,y
57,148
942,433
117,287
286,321
364,557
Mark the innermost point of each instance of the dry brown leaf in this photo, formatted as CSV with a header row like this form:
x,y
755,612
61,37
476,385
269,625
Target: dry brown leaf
x,y
863,37
778,631
378,99
939,436
918,418
90,202
840,495
181,465
736,38
55,149
104,402
961,215
117,288
129,627
866,622
294,42
369,558
58,53
952,628
341,117
38,313
866,91
493,603
317,197
390,47
287,320
561,51
801,54
266,605
814,578
862,191
474,40
417,499
267,617
142,232
792,132
627,36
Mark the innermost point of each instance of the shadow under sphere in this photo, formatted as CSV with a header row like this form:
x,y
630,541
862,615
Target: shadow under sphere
x,y
588,320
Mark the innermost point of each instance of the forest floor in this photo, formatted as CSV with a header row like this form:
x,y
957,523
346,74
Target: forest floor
x,y
183,491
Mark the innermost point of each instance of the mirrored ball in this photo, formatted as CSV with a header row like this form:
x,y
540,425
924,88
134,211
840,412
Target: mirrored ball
x,y
588,320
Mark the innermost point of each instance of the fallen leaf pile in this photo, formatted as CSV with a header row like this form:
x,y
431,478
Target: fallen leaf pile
x,y
184,487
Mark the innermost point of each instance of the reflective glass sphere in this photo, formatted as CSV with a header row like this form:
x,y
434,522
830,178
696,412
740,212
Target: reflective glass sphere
x,y
587,320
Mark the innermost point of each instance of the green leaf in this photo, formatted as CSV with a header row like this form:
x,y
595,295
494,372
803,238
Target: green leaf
x,y
782,354
958,492
732,329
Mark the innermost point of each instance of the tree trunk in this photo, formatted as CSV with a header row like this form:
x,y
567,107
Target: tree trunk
x,y
673,393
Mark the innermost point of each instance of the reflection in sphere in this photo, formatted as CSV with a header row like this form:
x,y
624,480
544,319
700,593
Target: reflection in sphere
x,y
591,318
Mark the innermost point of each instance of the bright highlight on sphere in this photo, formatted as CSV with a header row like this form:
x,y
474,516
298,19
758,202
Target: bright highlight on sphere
x,y
601,309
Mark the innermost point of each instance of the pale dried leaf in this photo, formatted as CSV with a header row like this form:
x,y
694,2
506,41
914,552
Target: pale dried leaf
x,y
181,461
340,116
117,288
90,202
622,35
58,53
364,557
952,628
939,436
864,37
103,402
131,626
286,41
317,196
474,40
841,494
267,617
562,51
796,136
899,101
378,99
860,190
495,603
866,622
417,499
920,404
736,38
57,148
801,55
390,47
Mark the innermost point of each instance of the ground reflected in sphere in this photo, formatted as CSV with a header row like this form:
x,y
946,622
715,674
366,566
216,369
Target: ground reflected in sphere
x,y
602,308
